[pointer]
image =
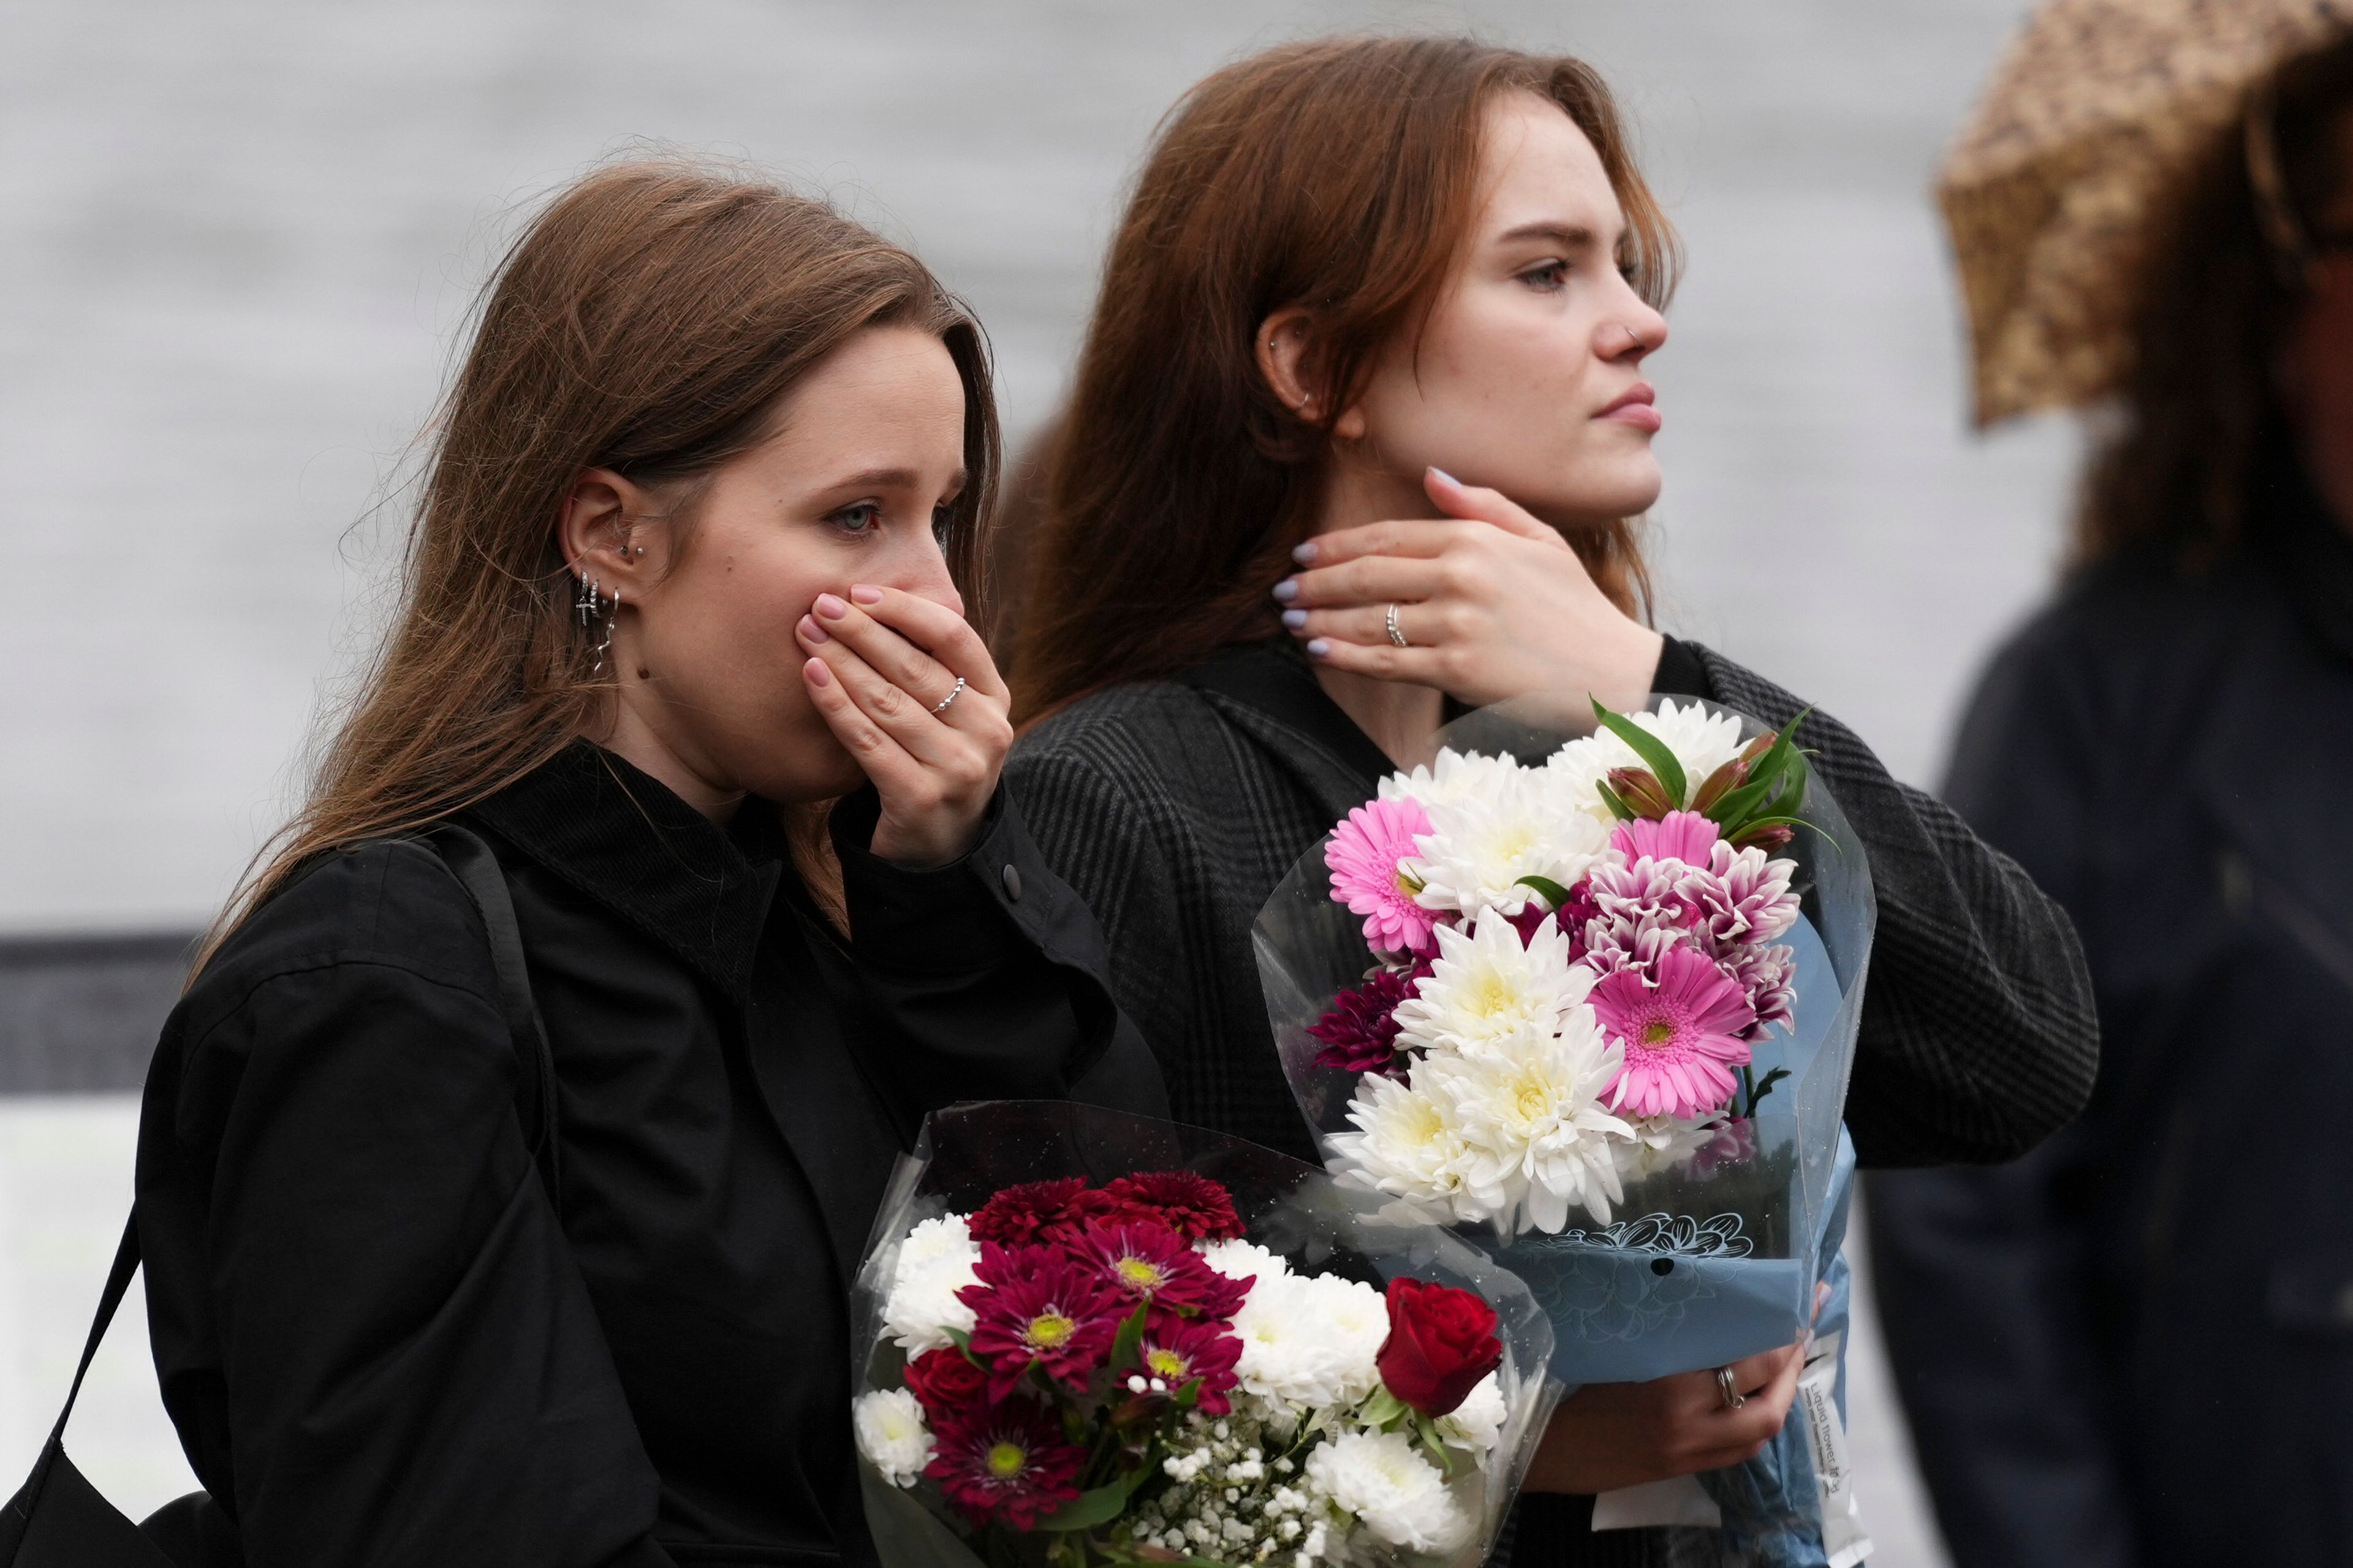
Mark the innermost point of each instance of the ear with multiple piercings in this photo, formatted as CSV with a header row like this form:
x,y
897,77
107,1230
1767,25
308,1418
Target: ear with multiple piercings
x,y
589,603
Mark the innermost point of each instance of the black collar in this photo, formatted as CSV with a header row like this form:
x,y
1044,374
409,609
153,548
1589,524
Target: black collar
x,y
620,837
1274,677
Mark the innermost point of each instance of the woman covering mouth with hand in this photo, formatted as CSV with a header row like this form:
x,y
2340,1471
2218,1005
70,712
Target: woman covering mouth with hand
x,y
682,650
1356,436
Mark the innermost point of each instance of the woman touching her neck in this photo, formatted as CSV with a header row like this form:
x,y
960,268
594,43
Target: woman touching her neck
x,y
682,708
1357,438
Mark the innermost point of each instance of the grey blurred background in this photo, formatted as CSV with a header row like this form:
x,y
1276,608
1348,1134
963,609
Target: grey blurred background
x,y
237,242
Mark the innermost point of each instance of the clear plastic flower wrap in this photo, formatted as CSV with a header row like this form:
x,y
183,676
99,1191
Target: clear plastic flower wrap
x,y
1587,985
1085,1337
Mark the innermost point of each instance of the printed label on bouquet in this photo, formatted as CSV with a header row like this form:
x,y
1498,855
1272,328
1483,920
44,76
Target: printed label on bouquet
x,y
1679,1235
1842,1536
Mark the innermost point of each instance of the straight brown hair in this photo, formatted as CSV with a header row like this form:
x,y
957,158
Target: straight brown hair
x,y
647,320
1341,174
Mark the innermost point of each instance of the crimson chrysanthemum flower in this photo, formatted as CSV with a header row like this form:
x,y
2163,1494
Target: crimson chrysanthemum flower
x,y
1010,1465
1178,1350
1041,1211
1038,1306
1359,1034
949,1385
1152,1263
1185,1201
1569,918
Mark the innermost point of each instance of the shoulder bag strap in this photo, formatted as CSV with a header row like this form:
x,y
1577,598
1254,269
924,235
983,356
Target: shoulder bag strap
x,y
118,1283
475,867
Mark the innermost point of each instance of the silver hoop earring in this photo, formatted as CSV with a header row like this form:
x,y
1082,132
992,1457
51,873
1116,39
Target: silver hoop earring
x,y
604,644
586,604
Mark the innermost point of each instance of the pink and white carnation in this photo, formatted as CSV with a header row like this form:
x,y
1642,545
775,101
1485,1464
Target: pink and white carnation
x,y
1368,856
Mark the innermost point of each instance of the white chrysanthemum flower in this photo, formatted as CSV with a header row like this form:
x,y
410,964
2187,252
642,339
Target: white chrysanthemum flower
x,y
1243,1260
1383,1480
1455,775
1407,1148
1702,742
1354,1318
1289,1354
1479,847
1660,1143
1528,1111
1477,1424
1484,985
935,1262
892,1434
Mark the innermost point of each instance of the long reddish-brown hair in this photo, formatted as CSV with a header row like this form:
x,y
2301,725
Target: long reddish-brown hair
x,y
1341,174
647,320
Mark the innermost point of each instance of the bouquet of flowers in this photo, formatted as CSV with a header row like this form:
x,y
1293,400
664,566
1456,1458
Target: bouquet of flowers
x,y
1093,1338
1593,992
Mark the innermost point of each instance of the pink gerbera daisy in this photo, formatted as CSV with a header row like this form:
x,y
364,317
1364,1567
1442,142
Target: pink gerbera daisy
x,y
1365,856
1683,1034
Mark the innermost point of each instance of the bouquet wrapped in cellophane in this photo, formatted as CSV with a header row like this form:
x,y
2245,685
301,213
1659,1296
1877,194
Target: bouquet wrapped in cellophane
x,y
1589,991
1086,1337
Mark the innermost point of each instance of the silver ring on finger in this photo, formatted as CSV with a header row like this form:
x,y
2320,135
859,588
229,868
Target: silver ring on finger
x,y
942,705
1728,1391
1396,632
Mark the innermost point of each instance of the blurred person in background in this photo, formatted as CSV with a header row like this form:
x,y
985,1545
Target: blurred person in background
x,y
2136,1346
1349,269
681,643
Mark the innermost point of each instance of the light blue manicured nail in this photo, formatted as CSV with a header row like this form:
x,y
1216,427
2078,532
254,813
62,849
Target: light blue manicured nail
x,y
1287,590
1443,474
1305,554
1318,647
1295,619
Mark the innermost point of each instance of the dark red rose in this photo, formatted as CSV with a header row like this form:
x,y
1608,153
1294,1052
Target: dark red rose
x,y
1441,1342
947,1384
1190,1204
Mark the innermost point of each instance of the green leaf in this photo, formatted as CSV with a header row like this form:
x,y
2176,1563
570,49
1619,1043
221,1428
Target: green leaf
x,y
1553,893
1187,1396
1735,805
1089,1509
1657,754
1615,802
1383,1409
963,1341
1127,1345
1765,1087
1427,1430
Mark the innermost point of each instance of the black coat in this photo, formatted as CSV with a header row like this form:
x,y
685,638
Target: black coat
x,y
1176,807
2137,1347
379,1343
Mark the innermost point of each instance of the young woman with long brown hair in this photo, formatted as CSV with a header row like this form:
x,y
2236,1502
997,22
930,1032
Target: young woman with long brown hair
x,y
685,574
1351,268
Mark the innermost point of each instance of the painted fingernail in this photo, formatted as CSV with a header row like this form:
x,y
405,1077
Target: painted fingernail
x,y
831,609
1295,619
813,632
1287,590
817,672
1443,474
1318,647
1305,554
864,594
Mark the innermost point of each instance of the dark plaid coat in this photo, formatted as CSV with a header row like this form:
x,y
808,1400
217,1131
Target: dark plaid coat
x,y
1175,807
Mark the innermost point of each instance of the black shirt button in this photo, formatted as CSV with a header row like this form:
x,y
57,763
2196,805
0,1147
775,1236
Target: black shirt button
x,y
1012,879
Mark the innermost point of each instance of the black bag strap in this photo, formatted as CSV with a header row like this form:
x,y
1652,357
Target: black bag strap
x,y
118,1284
478,870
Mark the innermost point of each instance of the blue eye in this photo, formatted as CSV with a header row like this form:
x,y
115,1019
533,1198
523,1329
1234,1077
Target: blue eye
x,y
861,518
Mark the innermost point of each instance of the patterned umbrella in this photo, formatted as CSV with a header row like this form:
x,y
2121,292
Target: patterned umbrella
x,y
2096,107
